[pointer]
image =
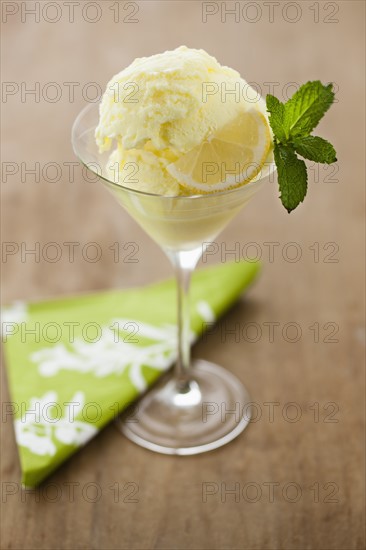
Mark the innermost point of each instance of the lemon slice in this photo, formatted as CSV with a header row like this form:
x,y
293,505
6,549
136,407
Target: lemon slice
x,y
229,158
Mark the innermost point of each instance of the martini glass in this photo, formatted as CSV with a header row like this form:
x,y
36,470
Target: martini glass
x,y
194,409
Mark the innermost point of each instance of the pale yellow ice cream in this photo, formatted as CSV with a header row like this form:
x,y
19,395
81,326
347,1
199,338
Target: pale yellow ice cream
x,y
161,107
142,170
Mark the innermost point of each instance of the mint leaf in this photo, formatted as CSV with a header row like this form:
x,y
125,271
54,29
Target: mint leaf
x,y
292,176
315,148
276,111
291,124
307,107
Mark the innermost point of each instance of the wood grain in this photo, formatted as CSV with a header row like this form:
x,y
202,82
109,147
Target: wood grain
x,y
312,460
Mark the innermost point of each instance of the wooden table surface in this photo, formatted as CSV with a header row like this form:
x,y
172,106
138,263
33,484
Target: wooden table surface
x,y
299,484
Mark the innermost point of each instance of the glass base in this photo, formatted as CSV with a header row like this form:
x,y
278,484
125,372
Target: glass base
x,y
209,412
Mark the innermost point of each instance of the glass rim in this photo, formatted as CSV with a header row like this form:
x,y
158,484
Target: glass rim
x,y
93,106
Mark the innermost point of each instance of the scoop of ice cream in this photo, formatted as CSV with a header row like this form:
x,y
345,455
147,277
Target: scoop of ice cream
x,y
161,107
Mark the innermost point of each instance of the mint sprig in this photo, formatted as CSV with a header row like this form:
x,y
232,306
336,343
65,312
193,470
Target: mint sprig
x,y
291,123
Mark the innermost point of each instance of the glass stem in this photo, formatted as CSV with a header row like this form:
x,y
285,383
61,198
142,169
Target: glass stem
x,y
182,369
184,264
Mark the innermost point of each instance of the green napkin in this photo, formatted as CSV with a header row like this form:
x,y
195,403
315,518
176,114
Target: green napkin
x,y
75,363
